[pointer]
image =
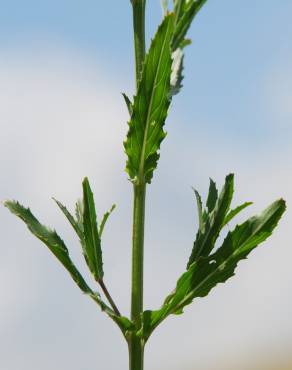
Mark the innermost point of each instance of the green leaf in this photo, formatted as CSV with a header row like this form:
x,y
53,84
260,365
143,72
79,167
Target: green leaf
x,y
185,13
204,274
200,210
179,8
150,107
77,223
212,196
57,246
51,239
235,212
104,219
91,236
213,221
128,103
71,219
79,210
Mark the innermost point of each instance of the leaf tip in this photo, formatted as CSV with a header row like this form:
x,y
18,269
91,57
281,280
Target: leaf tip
x,y
85,181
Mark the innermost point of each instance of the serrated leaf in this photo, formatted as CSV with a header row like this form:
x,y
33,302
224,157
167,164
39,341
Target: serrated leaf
x,y
104,219
51,239
213,221
150,107
77,223
128,103
204,274
71,219
57,246
234,212
91,236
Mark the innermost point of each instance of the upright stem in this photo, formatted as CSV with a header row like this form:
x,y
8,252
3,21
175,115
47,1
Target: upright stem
x,y
139,35
136,345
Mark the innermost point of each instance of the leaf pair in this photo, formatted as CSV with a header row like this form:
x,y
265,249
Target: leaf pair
x,y
216,215
161,78
207,268
85,225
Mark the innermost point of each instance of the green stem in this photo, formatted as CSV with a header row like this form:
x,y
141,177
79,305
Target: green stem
x,y
139,35
136,345
108,296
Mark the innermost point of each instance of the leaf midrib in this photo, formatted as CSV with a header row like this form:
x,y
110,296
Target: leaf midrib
x,y
142,158
93,246
189,295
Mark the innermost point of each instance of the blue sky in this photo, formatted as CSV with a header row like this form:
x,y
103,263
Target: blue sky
x,y
63,65
235,44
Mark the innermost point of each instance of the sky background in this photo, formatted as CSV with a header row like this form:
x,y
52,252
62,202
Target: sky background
x,y
63,66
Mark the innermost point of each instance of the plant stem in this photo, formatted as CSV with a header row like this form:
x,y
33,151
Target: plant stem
x,y
108,296
136,345
139,35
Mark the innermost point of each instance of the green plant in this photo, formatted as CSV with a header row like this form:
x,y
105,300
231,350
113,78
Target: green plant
x,y
158,78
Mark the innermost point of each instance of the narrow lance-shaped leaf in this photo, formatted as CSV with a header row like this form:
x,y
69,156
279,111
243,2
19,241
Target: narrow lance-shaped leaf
x,y
234,212
51,239
200,210
213,221
206,273
71,219
212,196
178,8
79,210
57,246
104,219
91,237
186,11
76,223
150,107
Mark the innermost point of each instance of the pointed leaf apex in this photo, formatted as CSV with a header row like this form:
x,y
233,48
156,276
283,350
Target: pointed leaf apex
x,y
212,196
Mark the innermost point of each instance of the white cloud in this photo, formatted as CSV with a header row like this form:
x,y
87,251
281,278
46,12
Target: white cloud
x,y
61,120
277,95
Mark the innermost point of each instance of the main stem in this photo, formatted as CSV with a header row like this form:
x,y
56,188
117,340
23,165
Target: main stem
x,y
139,35
136,345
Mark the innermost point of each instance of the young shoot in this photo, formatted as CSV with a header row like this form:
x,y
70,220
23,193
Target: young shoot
x,y
159,76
